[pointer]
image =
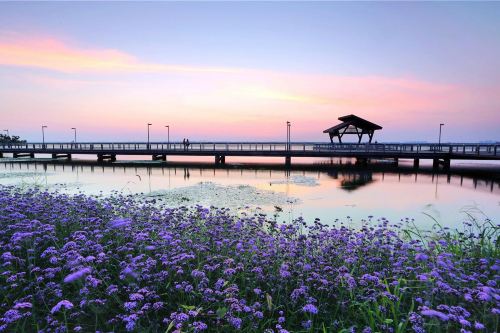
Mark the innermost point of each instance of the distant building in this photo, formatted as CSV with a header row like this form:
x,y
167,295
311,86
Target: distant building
x,y
352,124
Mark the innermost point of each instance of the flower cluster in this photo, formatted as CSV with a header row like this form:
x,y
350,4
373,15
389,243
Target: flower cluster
x,y
84,264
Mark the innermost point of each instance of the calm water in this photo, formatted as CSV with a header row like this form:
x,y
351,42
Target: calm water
x,y
314,189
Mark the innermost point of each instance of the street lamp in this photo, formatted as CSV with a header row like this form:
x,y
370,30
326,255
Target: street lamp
x,y
288,124
440,125
43,135
74,129
7,132
168,135
148,134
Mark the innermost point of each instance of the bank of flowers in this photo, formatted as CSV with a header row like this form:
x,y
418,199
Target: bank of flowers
x,y
82,264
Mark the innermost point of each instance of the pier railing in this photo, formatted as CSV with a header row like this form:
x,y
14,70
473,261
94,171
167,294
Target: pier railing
x,y
295,147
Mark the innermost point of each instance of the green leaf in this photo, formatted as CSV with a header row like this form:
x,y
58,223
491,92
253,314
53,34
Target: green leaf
x,y
269,301
221,312
170,326
188,307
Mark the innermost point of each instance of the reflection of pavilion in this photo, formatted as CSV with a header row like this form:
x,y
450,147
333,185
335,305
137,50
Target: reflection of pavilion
x,y
351,181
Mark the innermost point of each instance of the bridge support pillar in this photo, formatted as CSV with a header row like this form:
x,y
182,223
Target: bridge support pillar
x,y
361,161
1,155
103,157
288,160
16,155
159,157
435,163
416,163
396,161
68,156
220,159
444,162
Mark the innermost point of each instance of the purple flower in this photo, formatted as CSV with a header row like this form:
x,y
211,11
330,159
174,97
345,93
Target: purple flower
x,y
478,326
310,308
421,257
77,275
23,305
136,297
235,322
197,274
64,304
11,316
199,326
435,314
120,223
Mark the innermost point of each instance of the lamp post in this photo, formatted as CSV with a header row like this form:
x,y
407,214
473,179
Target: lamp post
x,y
43,135
168,135
6,130
74,129
149,124
440,125
288,124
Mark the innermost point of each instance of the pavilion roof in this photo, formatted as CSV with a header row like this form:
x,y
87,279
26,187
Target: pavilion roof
x,y
354,121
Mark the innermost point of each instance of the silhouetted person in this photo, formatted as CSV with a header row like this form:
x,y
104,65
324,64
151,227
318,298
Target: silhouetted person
x,y
187,143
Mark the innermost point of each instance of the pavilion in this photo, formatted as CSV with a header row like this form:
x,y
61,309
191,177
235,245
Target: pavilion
x,y
352,124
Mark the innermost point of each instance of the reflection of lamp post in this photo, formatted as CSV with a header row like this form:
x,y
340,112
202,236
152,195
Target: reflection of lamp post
x,y
43,135
440,125
74,129
168,135
148,134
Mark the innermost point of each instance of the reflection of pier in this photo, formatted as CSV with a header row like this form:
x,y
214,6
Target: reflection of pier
x,y
440,154
351,176
353,180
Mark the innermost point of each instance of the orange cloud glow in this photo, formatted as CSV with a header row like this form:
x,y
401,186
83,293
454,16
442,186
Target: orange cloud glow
x,y
53,54
210,98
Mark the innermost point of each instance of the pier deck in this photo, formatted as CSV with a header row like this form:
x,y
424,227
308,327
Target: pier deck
x,y
439,153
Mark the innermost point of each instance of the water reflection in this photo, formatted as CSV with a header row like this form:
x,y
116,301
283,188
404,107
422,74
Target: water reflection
x,y
352,180
326,190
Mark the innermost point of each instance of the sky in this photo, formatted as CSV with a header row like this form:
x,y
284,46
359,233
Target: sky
x,y
234,71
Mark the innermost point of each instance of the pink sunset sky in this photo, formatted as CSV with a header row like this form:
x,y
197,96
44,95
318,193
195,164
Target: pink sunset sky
x,y
110,88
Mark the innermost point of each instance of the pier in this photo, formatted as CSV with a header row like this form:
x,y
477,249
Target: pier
x,y
440,154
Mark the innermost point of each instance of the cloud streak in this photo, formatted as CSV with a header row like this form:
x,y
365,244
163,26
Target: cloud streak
x,y
53,54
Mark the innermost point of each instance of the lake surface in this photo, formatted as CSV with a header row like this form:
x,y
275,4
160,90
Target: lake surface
x,y
332,190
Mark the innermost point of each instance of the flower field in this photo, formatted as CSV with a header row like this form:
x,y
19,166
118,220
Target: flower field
x,y
118,264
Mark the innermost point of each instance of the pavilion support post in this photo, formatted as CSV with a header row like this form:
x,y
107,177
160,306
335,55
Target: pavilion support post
x,y
416,163
288,160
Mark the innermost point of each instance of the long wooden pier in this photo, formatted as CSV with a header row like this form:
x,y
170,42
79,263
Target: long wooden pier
x,y
440,154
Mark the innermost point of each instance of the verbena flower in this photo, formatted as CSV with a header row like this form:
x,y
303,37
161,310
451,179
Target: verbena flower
x,y
77,275
64,305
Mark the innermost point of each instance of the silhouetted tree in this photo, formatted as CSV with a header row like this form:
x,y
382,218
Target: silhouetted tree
x,y
11,139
